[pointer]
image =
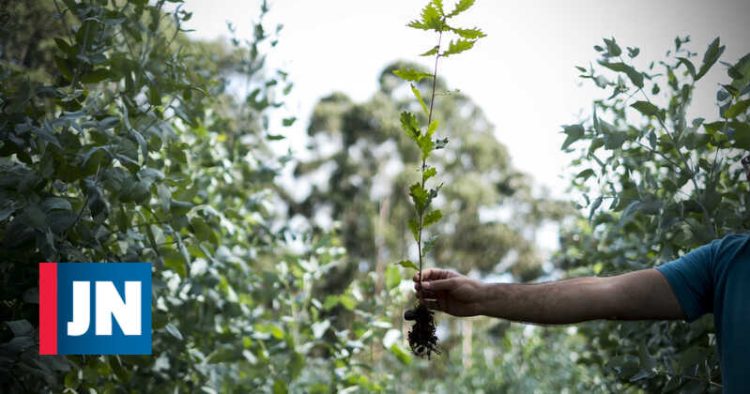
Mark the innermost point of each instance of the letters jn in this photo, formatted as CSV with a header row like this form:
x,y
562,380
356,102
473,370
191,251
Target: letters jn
x,y
95,308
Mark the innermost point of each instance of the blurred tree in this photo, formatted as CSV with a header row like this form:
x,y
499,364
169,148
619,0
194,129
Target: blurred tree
x,y
491,211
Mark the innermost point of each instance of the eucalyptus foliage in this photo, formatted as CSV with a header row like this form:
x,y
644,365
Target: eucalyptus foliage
x,y
121,141
657,183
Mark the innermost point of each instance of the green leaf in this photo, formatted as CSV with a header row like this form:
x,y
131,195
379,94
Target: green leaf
x,y
688,64
457,46
347,302
648,109
414,227
429,173
634,76
419,196
594,206
273,329
56,203
173,260
410,74
274,137
612,48
585,174
174,331
431,218
280,387
95,76
408,264
286,122
432,128
614,139
461,6
202,230
740,72
469,34
438,6
430,52
418,95
431,19
392,277
737,109
35,217
741,134
429,244
692,356
409,125
712,55
20,327
401,354
223,354
425,145
574,132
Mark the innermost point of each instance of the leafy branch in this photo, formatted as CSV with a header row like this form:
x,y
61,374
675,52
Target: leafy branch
x,y
435,19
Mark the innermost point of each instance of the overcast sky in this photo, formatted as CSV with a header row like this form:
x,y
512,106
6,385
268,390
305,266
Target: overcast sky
x,y
522,74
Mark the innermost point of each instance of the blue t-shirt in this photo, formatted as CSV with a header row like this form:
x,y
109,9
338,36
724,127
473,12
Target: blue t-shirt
x,y
715,278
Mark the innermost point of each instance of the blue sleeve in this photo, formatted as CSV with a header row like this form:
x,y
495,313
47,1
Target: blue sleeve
x,y
691,279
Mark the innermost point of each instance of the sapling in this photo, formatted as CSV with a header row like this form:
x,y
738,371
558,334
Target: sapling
x,y
422,338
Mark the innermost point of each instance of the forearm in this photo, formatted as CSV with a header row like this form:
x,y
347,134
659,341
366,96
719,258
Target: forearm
x,y
545,303
640,295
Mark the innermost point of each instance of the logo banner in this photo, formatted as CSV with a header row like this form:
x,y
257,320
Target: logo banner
x,y
94,308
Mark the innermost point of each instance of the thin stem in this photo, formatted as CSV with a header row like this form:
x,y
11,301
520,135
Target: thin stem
x,y
424,163
434,77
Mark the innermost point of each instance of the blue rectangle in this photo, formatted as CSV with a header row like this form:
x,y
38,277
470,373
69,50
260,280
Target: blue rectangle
x,y
89,342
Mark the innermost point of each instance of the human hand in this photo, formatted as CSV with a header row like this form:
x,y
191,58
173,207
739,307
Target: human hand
x,y
450,292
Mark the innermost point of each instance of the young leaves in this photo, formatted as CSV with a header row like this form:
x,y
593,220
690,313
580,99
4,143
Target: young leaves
x,y
408,264
634,76
432,217
648,109
458,46
410,125
461,6
429,173
419,197
712,54
432,18
412,75
469,34
418,95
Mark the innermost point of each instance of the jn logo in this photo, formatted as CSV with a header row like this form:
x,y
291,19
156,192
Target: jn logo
x,y
94,308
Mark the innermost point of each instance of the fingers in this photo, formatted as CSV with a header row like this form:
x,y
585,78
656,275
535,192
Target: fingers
x,y
434,274
441,285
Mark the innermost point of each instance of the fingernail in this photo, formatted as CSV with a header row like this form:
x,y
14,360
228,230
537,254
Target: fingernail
x,y
426,285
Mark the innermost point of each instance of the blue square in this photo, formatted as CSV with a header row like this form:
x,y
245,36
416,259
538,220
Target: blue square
x,y
116,274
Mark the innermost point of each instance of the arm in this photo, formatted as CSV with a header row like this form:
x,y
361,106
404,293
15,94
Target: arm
x,y
639,295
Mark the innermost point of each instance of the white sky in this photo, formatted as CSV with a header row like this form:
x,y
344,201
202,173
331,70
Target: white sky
x,y
522,74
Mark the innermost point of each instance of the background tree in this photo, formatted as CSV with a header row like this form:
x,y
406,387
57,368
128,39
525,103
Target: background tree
x,y
366,164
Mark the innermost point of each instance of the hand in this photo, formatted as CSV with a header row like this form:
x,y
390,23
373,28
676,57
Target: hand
x,y
450,292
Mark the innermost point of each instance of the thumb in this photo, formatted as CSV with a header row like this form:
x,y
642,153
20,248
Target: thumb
x,y
441,284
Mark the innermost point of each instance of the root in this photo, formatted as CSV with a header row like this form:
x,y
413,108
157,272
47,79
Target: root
x,y
422,338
